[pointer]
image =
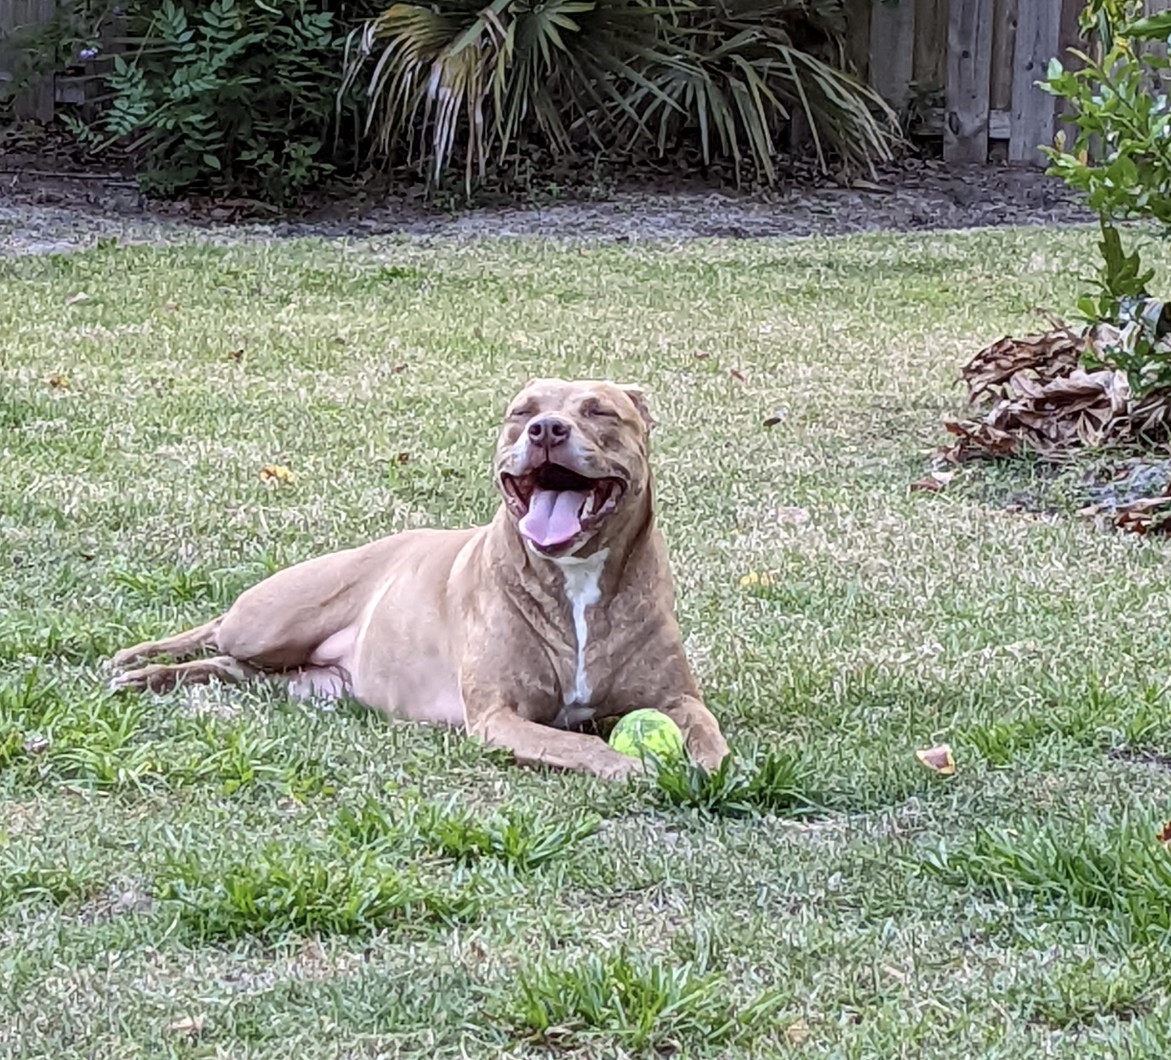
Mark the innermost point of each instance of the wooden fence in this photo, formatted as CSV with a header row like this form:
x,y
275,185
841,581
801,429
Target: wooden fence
x,y
966,69
961,69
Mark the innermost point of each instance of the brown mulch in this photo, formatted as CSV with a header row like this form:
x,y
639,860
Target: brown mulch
x,y
54,198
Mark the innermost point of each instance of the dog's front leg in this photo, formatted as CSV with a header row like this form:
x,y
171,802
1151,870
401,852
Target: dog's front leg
x,y
701,731
498,725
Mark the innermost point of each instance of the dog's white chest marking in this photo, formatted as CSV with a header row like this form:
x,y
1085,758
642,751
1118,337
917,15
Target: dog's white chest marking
x,y
583,590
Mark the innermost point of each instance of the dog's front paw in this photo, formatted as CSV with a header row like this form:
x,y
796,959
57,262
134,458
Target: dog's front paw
x,y
147,679
710,755
621,767
120,660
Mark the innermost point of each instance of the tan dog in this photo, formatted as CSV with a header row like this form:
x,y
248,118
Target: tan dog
x,y
560,611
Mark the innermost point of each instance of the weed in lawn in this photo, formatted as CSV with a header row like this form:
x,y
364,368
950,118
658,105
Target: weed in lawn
x,y
235,754
510,838
298,889
777,782
24,879
647,1004
1118,875
1092,990
999,742
166,584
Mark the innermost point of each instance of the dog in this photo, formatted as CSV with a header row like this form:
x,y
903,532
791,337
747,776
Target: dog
x,y
558,613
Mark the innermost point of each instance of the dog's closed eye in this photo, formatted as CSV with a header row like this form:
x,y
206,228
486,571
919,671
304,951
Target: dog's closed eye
x,y
594,408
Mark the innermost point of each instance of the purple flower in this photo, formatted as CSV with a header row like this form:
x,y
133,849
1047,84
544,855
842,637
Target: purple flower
x,y
87,53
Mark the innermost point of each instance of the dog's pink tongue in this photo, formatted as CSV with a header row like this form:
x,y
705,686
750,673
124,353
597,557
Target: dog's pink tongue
x,y
552,517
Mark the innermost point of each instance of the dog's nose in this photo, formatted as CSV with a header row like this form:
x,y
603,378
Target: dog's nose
x,y
548,431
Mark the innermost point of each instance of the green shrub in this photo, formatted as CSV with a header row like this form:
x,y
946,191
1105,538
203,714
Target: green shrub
x,y
1120,159
231,96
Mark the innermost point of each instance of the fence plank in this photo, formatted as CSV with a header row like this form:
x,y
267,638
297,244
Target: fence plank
x,y
892,50
1003,42
1034,113
969,62
36,101
857,41
1070,38
7,60
929,69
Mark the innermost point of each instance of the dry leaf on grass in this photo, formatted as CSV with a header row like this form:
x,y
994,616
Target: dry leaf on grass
x,y
1147,515
276,473
977,436
758,579
1163,835
798,1032
58,381
74,299
1142,515
187,1025
933,483
793,516
938,758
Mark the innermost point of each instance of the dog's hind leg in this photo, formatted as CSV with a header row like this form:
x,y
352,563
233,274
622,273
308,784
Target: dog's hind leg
x,y
162,678
181,646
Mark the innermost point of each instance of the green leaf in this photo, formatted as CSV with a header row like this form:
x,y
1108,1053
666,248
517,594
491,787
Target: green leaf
x,y
1154,27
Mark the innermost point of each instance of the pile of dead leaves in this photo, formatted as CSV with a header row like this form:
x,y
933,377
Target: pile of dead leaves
x,y
1031,396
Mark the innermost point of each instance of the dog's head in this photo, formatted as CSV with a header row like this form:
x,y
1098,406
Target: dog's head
x,y
572,463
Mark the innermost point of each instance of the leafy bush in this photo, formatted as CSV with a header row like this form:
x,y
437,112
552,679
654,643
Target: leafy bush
x,y
231,96
1121,160
457,77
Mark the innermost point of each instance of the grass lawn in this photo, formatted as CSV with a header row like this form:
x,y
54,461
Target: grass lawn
x,y
222,872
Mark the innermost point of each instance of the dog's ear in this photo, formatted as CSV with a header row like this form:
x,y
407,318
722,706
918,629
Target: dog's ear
x,y
638,397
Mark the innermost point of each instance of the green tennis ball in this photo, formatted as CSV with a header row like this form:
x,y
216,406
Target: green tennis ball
x,y
647,732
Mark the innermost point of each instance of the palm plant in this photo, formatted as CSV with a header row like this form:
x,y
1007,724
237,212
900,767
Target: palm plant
x,y
733,70
453,75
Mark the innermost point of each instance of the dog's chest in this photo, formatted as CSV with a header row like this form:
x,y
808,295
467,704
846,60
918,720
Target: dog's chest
x,y
582,591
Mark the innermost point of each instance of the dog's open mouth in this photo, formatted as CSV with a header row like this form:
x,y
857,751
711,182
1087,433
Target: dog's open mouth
x,y
554,504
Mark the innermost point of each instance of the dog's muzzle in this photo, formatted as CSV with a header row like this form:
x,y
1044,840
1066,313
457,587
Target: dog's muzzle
x,y
556,505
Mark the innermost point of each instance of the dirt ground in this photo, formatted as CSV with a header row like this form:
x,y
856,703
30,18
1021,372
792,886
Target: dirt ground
x,y
44,211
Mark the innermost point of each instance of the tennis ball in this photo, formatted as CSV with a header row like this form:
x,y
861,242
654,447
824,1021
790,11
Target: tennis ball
x,y
647,732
